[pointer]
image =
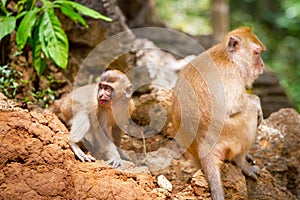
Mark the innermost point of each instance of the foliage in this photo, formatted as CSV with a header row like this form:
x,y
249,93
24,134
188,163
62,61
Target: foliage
x,y
190,16
278,24
40,26
8,80
43,97
11,83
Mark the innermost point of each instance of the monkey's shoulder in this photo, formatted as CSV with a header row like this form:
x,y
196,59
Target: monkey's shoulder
x,y
85,94
79,100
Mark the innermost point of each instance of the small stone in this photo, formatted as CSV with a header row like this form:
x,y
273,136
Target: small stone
x,y
163,182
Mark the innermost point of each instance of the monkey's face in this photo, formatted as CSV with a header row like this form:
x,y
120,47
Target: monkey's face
x,y
258,61
104,96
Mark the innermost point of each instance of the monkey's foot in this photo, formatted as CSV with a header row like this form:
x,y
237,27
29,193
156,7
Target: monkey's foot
x,y
250,159
252,171
116,162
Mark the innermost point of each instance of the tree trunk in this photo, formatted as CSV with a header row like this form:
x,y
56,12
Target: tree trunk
x,y
220,18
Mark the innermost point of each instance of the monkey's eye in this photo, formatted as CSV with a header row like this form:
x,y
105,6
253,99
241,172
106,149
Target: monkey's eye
x,y
104,87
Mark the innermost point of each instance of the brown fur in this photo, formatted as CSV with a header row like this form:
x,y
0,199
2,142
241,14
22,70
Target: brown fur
x,y
226,116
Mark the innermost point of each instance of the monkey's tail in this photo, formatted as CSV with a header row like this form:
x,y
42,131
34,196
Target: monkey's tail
x,y
211,167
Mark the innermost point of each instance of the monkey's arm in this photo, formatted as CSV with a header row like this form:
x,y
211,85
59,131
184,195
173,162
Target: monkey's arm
x,y
253,115
80,126
256,104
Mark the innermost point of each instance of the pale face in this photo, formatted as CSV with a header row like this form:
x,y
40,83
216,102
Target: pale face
x,y
248,58
104,95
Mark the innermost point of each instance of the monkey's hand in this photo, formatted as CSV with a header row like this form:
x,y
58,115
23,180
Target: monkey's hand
x,y
116,162
86,158
260,116
80,154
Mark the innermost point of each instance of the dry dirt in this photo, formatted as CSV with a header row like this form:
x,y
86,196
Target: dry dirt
x,y
37,163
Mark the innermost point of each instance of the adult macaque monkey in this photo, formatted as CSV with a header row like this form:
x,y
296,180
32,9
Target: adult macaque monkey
x,y
89,111
237,62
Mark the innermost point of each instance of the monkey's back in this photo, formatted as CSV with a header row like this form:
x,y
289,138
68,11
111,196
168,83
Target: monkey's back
x,y
200,97
79,99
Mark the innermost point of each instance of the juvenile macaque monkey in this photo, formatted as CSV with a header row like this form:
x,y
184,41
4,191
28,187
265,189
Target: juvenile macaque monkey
x,y
89,111
237,62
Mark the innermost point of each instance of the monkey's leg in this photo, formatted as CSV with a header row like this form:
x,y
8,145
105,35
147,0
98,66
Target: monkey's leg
x,y
114,157
80,126
250,159
250,171
102,147
116,134
210,165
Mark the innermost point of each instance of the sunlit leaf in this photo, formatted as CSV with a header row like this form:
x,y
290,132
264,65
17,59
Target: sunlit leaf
x,y
7,25
54,41
21,14
3,2
68,11
39,61
3,10
83,9
25,28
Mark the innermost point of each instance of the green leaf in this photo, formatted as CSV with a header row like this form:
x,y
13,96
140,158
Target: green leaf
x,y
25,28
54,41
3,8
41,37
7,25
69,11
30,4
3,2
39,61
83,9
21,14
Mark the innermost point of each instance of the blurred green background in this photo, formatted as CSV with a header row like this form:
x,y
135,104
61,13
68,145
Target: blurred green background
x,y
277,24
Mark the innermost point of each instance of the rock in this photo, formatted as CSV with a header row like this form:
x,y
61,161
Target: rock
x,y
37,163
164,183
234,182
267,187
82,40
199,185
98,30
140,13
272,95
278,148
162,193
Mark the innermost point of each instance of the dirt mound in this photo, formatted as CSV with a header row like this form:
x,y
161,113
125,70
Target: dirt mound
x,y
278,148
37,163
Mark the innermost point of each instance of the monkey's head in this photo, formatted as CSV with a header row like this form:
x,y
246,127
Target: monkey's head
x,y
245,49
113,85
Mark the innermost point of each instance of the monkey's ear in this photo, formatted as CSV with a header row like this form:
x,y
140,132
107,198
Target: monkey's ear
x,y
128,91
233,43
